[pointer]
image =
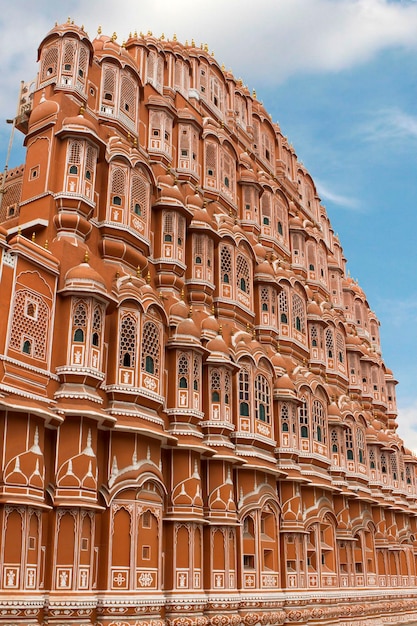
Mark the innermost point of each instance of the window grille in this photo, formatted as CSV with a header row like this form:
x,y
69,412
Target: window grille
x,y
243,274
36,327
349,444
262,399
329,343
225,264
319,427
128,339
49,63
298,314
150,348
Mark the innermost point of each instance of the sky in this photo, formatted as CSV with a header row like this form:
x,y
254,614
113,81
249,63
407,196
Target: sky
x,y
340,78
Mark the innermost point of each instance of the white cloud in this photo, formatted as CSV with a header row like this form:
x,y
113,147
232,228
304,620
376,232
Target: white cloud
x,y
326,193
407,425
265,45
390,124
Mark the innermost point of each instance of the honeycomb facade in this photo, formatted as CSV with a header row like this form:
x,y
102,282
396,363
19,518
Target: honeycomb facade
x,y
197,424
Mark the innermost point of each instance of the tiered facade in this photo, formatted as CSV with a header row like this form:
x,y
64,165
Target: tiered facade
x,y
197,424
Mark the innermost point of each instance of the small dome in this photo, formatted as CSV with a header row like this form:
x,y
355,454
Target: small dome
x,y
218,346
334,412
210,324
278,361
264,268
195,202
284,383
44,110
79,122
84,278
313,309
259,251
179,310
188,328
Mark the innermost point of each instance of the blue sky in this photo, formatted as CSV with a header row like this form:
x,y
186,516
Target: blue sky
x,y
340,77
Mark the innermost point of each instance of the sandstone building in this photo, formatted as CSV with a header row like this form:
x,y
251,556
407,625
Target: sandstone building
x,y
197,424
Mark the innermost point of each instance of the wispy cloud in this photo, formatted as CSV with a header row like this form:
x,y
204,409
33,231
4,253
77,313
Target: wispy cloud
x,y
407,425
390,125
402,312
329,195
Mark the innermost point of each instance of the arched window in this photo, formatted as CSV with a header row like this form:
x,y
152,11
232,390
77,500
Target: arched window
x,y
349,444
27,347
243,274
73,169
283,306
244,392
334,441
262,399
150,348
319,430
303,418
298,314
128,340
183,371
79,335
244,409
79,322
149,364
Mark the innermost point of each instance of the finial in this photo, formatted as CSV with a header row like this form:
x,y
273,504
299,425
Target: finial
x,y
254,93
82,110
46,244
19,230
162,37
213,310
221,330
138,272
182,295
186,43
190,311
114,36
130,35
69,20
206,49
123,44
82,26
174,37
33,236
223,67
193,43
99,30
148,278
117,275
86,257
135,34
149,33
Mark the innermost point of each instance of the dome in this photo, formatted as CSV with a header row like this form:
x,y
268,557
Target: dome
x,y
313,309
61,30
263,269
84,278
179,310
284,383
44,110
79,122
218,346
210,324
188,328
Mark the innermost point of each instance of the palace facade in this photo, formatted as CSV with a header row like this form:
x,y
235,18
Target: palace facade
x,y
198,428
